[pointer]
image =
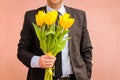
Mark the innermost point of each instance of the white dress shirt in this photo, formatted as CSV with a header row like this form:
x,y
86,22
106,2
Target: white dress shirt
x,y
66,66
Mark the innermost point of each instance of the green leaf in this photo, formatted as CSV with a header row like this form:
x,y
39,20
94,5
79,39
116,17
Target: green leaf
x,y
43,46
37,30
50,32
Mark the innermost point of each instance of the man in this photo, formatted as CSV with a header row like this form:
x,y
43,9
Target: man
x,y
76,56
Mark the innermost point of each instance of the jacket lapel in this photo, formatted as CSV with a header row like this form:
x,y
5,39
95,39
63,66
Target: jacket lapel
x,y
42,8
68,10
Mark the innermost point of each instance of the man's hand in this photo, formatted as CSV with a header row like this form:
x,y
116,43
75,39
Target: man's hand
x,y
47,61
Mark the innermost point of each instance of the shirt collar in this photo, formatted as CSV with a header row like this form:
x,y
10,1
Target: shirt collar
x,y
62,9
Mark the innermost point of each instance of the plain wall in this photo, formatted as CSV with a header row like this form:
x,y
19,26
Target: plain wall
x,y
103,18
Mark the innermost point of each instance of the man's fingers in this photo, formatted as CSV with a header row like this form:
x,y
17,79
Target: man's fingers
x,y
47,61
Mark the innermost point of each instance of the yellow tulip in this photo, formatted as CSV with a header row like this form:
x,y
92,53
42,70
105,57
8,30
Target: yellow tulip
x,y
69,23
53,13
48,20
66,21
66,15
51,17
40,18
62,20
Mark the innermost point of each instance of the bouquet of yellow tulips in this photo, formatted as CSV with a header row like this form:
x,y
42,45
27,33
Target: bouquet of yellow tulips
x,y
50,35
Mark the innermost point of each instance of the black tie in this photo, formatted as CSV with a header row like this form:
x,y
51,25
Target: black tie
x,y
56,23
58,63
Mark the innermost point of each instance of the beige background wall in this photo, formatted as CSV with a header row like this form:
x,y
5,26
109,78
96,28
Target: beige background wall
x,y
103,24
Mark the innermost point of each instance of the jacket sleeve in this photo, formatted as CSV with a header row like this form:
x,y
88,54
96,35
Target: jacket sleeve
x,y
86,47
25,43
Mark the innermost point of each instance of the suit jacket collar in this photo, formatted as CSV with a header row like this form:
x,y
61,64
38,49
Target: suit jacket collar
x,y
43,8
67,9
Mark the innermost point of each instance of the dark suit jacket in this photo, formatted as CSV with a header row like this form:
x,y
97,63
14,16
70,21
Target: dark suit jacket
x,y
80,48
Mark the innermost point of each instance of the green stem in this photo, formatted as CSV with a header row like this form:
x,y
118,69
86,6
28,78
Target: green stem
x,y
48,74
